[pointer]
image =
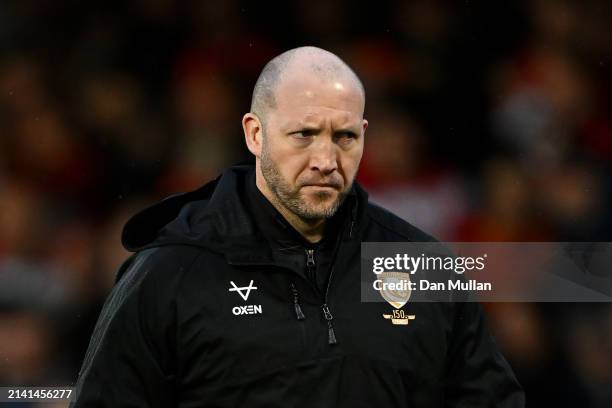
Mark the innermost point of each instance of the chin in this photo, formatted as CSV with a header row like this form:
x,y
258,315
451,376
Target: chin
x,y
321,211
319,203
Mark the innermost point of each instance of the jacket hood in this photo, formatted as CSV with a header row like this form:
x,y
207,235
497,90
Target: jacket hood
x,y
215,217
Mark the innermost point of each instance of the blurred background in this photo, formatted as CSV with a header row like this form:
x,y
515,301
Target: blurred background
x,y
488,122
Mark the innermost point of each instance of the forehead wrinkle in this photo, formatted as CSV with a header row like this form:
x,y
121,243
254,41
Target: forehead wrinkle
x,y
329,115
348,125
312,120
303,122
336,120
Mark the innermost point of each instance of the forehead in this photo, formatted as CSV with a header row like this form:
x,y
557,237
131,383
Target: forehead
x,y
311,99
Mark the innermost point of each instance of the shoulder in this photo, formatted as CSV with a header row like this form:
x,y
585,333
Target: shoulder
x,y
152,276
168,260
147,284
386,226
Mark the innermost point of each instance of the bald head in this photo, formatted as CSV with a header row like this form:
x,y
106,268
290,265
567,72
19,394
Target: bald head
x,y
302,62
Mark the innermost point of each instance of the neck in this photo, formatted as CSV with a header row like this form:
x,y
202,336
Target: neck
x,y
311,230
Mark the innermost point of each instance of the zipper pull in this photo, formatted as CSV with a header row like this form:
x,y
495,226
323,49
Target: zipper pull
x,y
310,266
310,262
331,335
296,303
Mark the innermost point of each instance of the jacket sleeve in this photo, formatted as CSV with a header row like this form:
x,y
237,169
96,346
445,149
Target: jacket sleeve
x,y
477,373
130,359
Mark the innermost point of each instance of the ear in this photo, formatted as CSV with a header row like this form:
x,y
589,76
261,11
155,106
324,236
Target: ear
x,y
253,133
364,124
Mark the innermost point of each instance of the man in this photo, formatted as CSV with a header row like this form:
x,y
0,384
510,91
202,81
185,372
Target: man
x,y
246,292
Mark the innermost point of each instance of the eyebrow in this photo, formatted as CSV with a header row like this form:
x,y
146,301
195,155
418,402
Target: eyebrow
x,y
314,125
347,129
316,129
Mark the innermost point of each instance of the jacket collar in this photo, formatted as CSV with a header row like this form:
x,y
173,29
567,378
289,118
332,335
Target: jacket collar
x,y
216,217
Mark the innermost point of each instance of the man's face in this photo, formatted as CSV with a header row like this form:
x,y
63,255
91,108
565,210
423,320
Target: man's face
x,y
312,145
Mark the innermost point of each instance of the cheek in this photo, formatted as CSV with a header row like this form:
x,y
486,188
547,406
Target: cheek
x,y
289,162
350,161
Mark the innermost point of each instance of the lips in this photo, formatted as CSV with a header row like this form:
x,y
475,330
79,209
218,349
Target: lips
x,y
322,185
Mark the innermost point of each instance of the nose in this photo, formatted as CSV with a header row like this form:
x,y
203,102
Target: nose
x,y
323,156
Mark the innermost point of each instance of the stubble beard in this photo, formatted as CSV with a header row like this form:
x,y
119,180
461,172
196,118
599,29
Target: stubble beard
x,y
292,198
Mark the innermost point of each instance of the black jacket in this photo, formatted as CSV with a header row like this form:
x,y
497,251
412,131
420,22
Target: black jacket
x,y
172,333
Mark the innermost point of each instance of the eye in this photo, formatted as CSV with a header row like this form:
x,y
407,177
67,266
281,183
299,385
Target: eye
x,y
345,136
302,134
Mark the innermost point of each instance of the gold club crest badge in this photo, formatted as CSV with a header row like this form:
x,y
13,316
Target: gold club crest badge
x,y
395,289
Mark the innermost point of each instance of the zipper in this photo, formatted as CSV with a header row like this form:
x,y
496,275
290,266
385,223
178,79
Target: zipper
x,y
310,265
299,314
331,335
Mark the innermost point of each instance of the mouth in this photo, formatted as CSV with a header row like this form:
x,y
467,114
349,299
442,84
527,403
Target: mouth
x,y
322,185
